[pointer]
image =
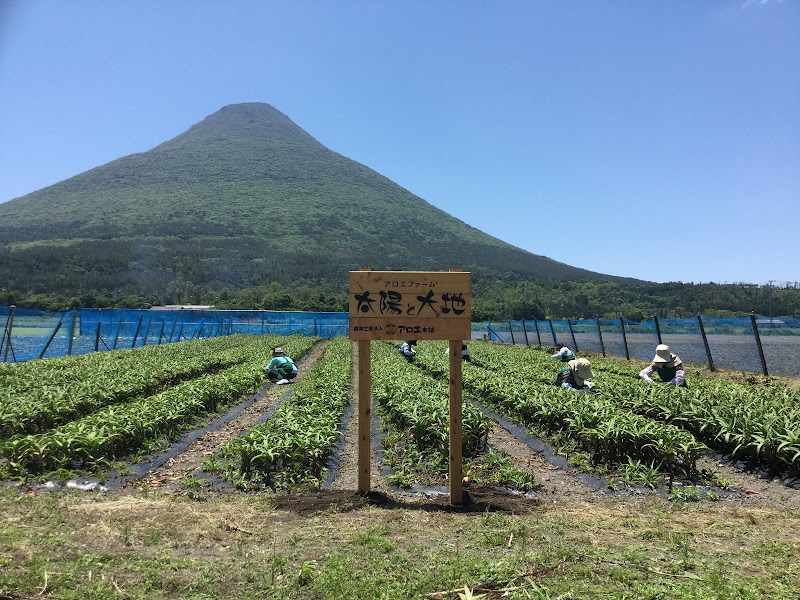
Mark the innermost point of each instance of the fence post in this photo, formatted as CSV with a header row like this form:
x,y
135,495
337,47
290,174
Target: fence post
x,y
705,343
180,332
624,338
525,331
600,335
138,327
538,337
658,329
161,334
199,329
172,331
493,332
119,326
7,333
72,332
572,333
758,343
97,337
553,331
147,329
52,335
511,330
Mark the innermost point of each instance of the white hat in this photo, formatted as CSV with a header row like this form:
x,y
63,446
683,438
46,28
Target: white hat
x,y
664,357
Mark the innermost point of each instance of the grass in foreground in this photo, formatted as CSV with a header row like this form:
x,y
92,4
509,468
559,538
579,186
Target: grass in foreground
x,y
235,546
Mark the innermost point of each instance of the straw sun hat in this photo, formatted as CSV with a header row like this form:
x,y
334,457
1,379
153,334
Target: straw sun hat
x,y
665,358
581,370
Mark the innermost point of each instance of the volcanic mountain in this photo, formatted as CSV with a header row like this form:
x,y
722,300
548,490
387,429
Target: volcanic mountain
x,y
243,198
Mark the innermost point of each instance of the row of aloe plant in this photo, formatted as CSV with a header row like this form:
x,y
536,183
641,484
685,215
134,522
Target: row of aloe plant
x,y
40,396
759,424
120,430
414,411
755,423
18,377
517,381
293,446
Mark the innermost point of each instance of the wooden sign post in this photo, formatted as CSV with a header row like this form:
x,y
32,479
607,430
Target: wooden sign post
x,y
410,305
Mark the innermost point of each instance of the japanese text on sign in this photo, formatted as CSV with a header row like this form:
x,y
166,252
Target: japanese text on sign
x,y
419,305
393,303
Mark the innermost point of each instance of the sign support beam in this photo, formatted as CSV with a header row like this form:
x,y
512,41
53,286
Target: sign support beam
x,y
456,458
364,415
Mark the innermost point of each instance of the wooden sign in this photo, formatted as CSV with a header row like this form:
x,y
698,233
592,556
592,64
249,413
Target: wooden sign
x,y
410,305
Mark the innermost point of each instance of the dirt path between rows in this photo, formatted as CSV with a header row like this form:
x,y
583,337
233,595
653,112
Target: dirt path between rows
x,y
347,476
748,489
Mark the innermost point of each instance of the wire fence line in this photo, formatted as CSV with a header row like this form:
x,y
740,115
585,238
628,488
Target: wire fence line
x,y
759,344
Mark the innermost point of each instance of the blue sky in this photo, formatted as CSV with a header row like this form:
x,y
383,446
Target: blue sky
x,y
657,140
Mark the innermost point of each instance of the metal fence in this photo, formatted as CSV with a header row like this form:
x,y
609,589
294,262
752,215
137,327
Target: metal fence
x,y
767,345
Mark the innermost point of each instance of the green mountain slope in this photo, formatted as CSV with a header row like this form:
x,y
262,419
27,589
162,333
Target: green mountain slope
x,y
243,198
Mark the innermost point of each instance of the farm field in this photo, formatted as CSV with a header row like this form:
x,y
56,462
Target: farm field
x,y
177,471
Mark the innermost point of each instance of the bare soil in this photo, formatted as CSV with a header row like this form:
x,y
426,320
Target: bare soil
x,y
347,476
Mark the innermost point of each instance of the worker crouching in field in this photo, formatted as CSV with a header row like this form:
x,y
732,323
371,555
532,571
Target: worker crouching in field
x,y
564,354
281,368
464,352
575,376
407,349
668,366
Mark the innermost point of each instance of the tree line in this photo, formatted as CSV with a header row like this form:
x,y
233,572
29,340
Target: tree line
x,y
492,299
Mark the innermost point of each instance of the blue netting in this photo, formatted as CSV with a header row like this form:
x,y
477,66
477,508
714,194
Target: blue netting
x,y
732,343
150,326
40,334
34,334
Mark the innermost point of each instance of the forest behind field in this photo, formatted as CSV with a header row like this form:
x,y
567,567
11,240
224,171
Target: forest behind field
x,y
493,300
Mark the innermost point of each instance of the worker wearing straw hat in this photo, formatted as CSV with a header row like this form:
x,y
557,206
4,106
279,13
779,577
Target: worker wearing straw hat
x,y
576,375
668,366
